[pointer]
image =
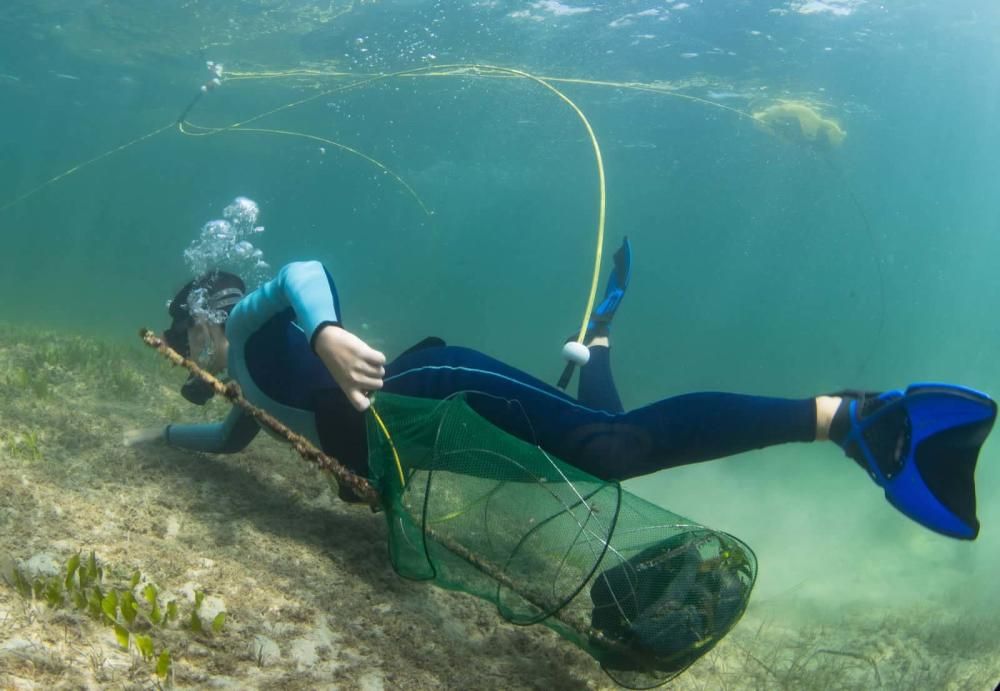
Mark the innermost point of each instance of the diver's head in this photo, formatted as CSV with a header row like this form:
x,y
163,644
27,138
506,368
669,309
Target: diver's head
x,y
197,330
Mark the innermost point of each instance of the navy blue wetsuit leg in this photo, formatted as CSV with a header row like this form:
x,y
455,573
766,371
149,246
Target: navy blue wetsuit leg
x,y
342,429
610,445
597,388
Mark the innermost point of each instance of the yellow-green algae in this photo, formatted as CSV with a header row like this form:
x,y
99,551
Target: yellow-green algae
x,y
801,121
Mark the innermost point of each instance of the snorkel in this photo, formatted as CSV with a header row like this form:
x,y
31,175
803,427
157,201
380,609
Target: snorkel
x,y
213,82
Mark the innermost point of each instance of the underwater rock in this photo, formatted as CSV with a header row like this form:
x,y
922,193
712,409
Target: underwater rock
x,y
42,565
265,651
799,121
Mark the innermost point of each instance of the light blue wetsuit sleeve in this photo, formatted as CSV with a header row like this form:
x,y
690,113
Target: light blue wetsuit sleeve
x,y
229,436
304,286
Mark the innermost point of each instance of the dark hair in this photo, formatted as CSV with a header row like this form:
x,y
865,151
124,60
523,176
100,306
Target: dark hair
x,y
213,283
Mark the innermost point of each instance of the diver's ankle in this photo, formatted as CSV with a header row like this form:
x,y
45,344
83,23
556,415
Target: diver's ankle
x,y
826,409
602,341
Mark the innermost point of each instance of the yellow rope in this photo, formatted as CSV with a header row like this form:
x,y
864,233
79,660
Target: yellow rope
x,y
466,70
602,203
207,131
602,188
453,70
430,71
80,166
473,70
392,445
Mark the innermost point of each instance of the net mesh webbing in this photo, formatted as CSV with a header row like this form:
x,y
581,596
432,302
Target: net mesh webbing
x,y
644,591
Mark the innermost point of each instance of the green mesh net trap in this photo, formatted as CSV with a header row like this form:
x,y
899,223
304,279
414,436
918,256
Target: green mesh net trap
x,y
472,508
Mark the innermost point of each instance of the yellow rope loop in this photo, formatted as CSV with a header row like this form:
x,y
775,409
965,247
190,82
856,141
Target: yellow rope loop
x,y
474,70
470,70
193,130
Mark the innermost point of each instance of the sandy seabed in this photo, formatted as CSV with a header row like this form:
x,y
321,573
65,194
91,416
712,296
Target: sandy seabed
x,y
311,600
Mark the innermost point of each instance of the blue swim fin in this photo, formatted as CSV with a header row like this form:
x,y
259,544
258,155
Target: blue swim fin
x,y
921,447
599,323
614,291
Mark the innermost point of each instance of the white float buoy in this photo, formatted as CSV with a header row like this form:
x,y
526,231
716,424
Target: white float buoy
x,y
576,352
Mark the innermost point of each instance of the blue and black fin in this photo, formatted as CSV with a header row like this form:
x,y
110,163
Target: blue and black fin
x,y
599,323
921,446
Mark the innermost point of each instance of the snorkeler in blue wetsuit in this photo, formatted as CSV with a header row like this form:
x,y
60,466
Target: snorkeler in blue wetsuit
x,y
286,347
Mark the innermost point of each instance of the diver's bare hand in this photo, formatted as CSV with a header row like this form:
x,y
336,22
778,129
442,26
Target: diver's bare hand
x,y
356,367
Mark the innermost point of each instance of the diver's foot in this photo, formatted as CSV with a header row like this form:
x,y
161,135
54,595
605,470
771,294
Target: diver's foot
x,y
618,280
599,323
921,446
826,410
856,404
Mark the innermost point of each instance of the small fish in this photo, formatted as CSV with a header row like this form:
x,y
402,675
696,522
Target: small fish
x,y
61,75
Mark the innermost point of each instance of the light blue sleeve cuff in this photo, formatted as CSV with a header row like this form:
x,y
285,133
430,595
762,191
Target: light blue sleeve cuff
x,y
312,295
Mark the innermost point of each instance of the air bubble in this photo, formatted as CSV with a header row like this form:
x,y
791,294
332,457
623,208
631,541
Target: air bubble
x,y
223,244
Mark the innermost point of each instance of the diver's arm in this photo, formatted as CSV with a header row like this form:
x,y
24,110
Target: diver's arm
x,y
229,436
308,289
355,366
